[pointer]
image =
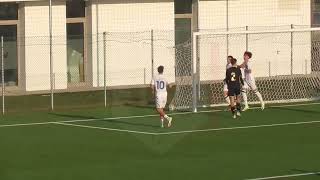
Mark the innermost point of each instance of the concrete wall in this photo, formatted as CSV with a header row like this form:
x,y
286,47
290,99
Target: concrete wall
x,y
36,45
128,45
129,23
273,49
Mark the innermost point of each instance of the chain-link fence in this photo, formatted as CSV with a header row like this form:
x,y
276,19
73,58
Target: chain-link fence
x,y
90,70
116,68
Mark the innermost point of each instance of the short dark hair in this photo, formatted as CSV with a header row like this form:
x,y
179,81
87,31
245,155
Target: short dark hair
x,y
249,54
233,61
230,57
160,69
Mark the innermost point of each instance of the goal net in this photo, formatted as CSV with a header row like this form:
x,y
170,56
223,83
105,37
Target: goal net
x,y
285,63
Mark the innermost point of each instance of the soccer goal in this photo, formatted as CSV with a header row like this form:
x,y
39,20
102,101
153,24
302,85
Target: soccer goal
x,y
286,66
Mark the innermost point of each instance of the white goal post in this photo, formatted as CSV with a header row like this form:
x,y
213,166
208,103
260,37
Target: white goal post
x,y
286,64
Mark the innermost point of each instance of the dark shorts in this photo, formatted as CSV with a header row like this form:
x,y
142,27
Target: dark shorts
x,y
234,91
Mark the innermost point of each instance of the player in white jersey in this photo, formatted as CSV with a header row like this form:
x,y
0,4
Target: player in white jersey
x,y
159,87
225,86
249,81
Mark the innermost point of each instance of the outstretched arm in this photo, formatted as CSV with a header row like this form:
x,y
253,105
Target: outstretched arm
x,y
243,65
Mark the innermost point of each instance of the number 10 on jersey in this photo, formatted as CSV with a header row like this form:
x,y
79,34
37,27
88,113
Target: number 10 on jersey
x,y
160,84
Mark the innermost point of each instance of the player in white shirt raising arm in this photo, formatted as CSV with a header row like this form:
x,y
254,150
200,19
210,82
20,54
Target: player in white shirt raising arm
x,y
249,81
159,87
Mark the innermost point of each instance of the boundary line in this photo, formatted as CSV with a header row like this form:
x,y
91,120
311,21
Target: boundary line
x,y
286,176
239,127
102,119
67,122
103,128
185,132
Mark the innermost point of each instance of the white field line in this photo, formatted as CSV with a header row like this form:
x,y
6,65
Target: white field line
x,y
103,128
239,127
286,176
100,119
133,117
26,124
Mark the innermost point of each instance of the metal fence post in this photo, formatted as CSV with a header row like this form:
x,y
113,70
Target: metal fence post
x,y
105,68
247,39
51,56
269,68
194,74
152,55
227,27
144,76
291,49
291,59
2,75
306,66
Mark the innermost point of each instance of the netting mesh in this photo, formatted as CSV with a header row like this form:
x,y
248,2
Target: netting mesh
x,y
286,66
183,73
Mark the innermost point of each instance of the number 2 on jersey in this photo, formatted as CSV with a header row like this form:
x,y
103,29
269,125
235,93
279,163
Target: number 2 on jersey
x,y
160,85
233,76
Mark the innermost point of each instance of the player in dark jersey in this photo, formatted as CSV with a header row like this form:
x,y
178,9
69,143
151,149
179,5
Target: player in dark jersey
x,y
234,81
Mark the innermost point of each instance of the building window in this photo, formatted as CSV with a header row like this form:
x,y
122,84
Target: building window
x,y
315,13
76,54
8,30
183,33
75,8
183,6
8,11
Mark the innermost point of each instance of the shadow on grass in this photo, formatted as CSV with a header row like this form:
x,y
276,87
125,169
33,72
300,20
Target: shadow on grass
x,y
77,117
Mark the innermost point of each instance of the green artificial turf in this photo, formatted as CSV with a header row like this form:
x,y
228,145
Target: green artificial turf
x,y
63,151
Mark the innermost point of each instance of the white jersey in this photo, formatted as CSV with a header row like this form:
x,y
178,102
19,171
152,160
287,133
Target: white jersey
x,y
228,66
160,83
248,76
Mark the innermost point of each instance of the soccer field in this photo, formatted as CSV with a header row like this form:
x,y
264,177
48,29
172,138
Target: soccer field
x,y
126,142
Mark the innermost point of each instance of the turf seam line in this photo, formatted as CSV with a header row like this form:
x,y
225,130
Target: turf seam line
x,y
104,128
286,176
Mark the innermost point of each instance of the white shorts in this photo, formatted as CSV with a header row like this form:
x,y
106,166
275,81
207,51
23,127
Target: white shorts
x,y
225,87
161,100
250,85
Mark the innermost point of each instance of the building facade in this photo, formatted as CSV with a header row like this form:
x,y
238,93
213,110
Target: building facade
x,y
125,40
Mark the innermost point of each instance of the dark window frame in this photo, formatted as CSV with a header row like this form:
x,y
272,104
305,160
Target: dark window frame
x,y
183,6
75,9
13,15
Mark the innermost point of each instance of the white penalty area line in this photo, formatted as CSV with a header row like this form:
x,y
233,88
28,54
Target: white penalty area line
x,y
101,119
104,128
155,115
185,132
239,127
286,176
